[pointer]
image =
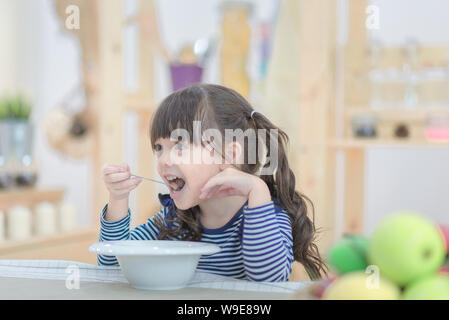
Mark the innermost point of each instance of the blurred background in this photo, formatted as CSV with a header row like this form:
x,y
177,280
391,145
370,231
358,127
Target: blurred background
x,y
360,86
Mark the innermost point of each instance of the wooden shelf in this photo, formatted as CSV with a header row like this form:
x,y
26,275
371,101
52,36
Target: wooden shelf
x,y
28,197
37,242
139,103
379,143
72,246
397,113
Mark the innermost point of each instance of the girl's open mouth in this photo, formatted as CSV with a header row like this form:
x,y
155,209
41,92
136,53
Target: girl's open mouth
x,y
176,184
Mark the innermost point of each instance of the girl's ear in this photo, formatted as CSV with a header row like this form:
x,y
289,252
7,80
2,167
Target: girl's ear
x,y
233,155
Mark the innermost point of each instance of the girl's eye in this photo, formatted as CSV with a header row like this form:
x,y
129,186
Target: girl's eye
x,y
157,147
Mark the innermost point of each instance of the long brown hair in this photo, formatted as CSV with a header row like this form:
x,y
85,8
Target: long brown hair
x,y
222,108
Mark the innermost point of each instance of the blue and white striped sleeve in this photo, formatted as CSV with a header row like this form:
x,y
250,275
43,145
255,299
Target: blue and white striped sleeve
x,y
267,243
120,230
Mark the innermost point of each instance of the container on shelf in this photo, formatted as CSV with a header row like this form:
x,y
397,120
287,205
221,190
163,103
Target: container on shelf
x,y
437,127
364,126
19,223
184,75
401,131
45,215
234,49
25,171
68,217
2,227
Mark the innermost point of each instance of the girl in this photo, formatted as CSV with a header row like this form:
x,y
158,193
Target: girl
x,y
259,221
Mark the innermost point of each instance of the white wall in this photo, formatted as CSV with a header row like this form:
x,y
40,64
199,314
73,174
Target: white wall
x,y
8,47
406,179
427,21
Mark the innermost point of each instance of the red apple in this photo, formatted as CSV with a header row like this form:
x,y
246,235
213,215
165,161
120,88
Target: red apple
x,y
444,230
444,270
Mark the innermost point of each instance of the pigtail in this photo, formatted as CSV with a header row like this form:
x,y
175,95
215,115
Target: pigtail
x,y
282,186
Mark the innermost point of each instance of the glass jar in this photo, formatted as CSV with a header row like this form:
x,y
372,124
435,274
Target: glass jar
x,y
22,141
364,126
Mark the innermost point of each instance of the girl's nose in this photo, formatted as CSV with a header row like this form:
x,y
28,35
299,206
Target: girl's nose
x,y
165,159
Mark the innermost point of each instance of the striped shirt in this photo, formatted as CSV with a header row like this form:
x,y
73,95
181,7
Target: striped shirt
x,y
256,244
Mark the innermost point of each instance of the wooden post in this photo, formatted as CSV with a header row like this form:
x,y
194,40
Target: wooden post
x,y
354,190
316,102
356,94
109,113
356,91
147,201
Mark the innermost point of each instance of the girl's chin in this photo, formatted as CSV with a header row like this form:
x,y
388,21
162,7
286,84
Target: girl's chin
x,y
183,205
180,198
185,202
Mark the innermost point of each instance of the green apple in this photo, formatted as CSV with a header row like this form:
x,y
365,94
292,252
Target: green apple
x,y
406,247
349,254
432,288
357,286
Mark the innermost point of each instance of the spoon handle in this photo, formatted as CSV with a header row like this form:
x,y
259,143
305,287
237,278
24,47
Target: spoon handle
x,y
149,179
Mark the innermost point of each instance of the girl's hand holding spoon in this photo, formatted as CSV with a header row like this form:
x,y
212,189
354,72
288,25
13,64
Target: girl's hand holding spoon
x,y
119,181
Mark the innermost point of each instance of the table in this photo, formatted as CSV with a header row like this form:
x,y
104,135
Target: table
x,y
25,288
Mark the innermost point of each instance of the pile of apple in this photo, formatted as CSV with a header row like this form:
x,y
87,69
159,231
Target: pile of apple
x,y
405,258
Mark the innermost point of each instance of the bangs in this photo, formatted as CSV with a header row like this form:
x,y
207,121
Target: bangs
x,y
179,111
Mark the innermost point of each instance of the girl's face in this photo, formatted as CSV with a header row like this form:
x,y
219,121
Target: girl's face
x,y
185,168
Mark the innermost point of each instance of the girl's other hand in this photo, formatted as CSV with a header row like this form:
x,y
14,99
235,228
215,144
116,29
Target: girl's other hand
x,y
118,181
236,182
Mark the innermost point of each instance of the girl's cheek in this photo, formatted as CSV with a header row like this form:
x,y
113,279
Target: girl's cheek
x,y
195,184
196,181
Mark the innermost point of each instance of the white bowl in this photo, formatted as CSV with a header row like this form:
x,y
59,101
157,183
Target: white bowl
x,y
156,264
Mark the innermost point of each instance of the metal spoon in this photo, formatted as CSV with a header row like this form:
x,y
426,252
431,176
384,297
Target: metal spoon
x,y
149,179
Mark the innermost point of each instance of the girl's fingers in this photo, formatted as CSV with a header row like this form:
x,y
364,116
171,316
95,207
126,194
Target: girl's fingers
x,y
124,185
129,189
227,192
134,186
117,177
113,168
210,192
212,183
211,186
